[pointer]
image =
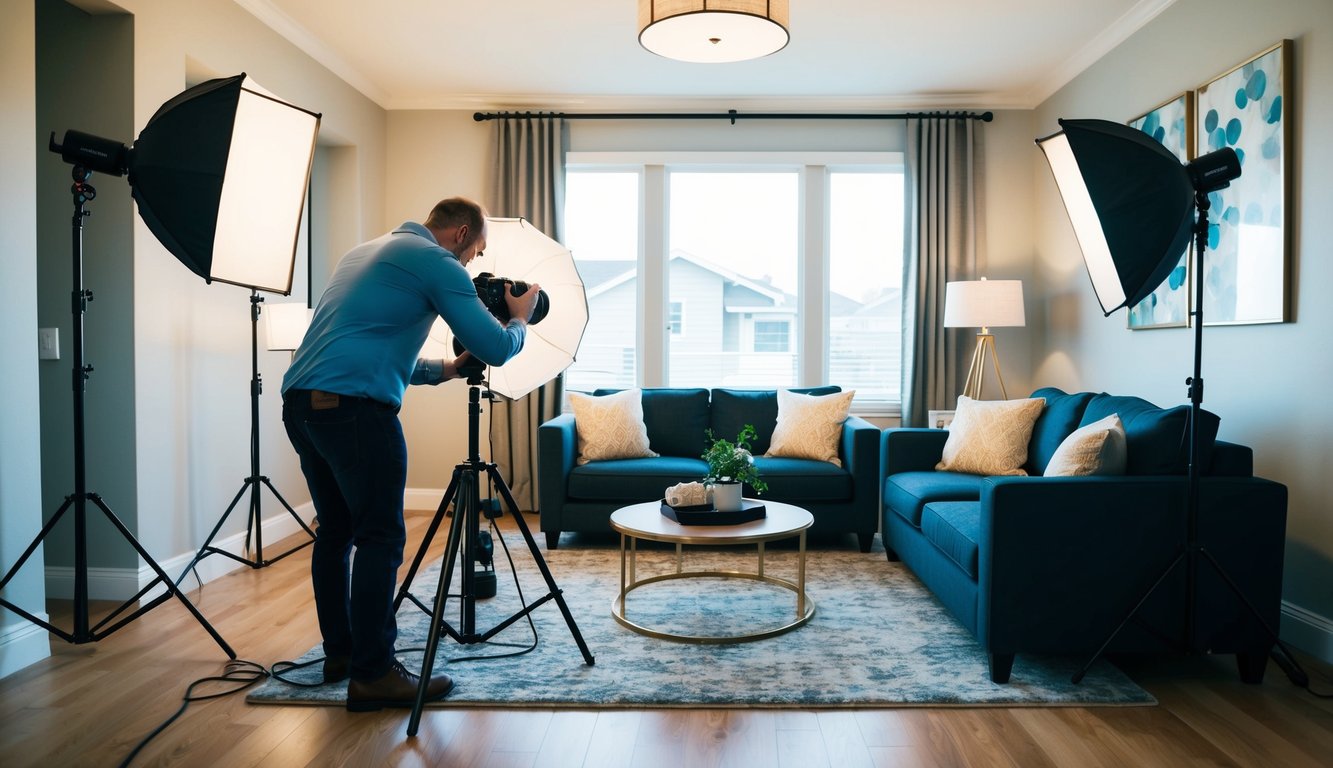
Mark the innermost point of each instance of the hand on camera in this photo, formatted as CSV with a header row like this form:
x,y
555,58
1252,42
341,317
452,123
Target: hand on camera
x,y
521,306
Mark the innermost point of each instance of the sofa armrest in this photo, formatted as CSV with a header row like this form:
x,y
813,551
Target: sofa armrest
x,y
911,449
557,448
860,456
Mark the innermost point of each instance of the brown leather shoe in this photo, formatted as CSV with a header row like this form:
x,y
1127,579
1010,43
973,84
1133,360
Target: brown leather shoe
x,y
396,688
336,668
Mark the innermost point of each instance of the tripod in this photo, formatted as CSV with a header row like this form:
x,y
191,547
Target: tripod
x,y
78,501
464,490
254,520
1193,552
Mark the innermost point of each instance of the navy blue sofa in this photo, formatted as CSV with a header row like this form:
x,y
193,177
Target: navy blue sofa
x,y
581,498
1050,565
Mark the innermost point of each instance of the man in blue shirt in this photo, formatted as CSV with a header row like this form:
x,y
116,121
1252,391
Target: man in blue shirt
x,y
341,398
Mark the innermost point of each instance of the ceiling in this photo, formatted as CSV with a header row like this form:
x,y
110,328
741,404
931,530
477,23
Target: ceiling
x,y
584,54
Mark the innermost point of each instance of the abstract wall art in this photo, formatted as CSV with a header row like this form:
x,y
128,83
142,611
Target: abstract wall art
x,y
1246,272
1168,305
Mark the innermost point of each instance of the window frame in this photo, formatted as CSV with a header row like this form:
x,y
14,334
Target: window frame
x,y
813,170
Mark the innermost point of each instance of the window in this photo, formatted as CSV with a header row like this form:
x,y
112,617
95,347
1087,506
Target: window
x,y
602,231
791,264
676,318
772,336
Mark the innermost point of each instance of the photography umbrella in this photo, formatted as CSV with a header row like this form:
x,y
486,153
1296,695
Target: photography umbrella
x,y
519,251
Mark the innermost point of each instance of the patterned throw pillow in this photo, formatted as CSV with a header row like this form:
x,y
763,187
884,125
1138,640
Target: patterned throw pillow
x,y
1096,449
610,426
810,426
990,437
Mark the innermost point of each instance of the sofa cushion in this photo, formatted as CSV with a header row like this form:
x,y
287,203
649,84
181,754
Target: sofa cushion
x,y
798,480
810,426
990,437
1061,416
676,419
954,527
610,427
732,409
1156,439
908,492
1095,449
632,479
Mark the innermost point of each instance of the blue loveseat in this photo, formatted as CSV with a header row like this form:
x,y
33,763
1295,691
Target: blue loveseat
x,y
1051,565
576,497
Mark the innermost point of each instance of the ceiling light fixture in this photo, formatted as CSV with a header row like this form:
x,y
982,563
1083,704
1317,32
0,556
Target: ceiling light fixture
x,y
713,31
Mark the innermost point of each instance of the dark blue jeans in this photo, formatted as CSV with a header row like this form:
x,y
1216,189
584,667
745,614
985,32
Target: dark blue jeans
x,y
355,461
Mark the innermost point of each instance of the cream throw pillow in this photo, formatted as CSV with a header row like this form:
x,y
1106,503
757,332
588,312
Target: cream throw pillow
x,y
1096,449
810,426
610,426
990,437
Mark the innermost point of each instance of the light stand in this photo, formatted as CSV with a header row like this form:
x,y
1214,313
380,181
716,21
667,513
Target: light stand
x,y
465,492
254,524
78,501
976,374
1134,206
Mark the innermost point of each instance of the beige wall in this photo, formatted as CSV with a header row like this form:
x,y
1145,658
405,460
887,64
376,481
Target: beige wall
x,y
1259,377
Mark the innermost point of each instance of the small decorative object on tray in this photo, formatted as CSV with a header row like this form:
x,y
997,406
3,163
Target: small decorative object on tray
x,y
705,514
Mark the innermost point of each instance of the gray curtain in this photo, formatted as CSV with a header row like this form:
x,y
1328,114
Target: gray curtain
x,y
529,183
944,167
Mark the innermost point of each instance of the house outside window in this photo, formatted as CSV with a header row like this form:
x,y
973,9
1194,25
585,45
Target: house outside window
x,y
791,264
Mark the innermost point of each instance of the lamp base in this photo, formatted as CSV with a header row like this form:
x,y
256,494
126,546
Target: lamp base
x,y
976,374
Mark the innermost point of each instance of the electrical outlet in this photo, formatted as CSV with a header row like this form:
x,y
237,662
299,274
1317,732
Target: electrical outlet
x,y
48,343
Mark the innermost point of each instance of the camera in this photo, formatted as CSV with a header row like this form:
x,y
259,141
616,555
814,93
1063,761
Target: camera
x,y
491,290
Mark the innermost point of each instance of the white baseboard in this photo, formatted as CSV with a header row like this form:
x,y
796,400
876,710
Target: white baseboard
x,y
23,643
1307,631
124,583
423,498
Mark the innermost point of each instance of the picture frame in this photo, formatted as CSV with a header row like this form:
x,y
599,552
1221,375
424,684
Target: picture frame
x,y
1168,306
939,419
1246,268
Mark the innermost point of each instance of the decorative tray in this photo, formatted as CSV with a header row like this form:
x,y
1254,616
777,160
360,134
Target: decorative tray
x,y
705,514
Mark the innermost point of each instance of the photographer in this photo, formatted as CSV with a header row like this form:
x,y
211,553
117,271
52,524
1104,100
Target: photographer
x,y
341,398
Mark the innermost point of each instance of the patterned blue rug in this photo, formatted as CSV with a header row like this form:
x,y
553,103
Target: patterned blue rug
x,y
878,638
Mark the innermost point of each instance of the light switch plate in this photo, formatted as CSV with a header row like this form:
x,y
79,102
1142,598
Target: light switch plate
x,y
48,343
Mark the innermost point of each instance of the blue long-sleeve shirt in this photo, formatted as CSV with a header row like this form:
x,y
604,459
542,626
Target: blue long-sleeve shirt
x,y
377,311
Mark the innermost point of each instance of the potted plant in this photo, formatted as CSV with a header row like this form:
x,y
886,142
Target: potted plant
x,y
729,466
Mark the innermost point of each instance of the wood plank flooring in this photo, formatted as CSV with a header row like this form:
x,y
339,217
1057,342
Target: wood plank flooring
x,y
90,705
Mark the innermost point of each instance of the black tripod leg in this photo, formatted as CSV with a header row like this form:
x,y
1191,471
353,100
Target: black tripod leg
x,y
1251,666
37,541
1078,676
205,550
434,528
433,635
556,593
161,574
287,506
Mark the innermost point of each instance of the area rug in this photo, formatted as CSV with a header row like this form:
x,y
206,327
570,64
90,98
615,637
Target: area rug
x,y
878,638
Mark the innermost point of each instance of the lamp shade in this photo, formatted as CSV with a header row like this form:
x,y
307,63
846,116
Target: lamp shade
x,y
983,303
1131,203
517,250
713,31
286,325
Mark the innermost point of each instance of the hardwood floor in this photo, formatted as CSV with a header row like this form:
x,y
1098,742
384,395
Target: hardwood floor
x,y
90,705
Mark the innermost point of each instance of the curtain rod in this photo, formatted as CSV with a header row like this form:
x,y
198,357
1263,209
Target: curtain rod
x,y
733,115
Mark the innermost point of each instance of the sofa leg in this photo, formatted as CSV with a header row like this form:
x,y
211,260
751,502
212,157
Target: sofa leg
x,y
1252,666
890,554
865,540
1001,664
552,539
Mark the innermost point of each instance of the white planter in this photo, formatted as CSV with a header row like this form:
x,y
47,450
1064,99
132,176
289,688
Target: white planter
x,y
727,497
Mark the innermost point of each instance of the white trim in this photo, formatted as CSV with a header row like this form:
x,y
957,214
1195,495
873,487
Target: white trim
x,y
23,643
123,583
1307,630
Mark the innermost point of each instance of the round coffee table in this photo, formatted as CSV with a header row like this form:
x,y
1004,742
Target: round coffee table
x,y
646,521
